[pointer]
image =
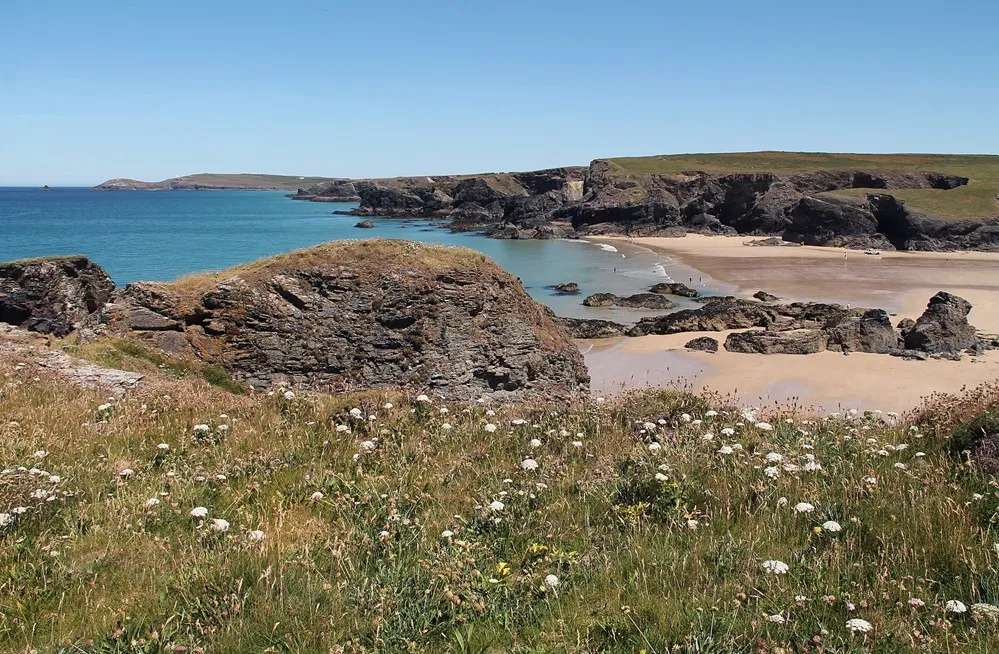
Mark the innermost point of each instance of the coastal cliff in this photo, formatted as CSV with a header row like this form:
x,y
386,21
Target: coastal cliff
x,y
807,204
213,182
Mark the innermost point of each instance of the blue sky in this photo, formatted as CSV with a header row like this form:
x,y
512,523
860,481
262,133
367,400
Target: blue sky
x,y
92,90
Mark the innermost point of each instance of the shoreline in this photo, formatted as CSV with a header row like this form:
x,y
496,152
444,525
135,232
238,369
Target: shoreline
x,y
899,282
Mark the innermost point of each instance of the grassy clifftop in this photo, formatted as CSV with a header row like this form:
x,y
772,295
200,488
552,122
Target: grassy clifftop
x,y
186,518
976,200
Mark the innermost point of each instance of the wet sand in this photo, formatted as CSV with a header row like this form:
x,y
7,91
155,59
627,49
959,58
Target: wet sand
x,y
900,283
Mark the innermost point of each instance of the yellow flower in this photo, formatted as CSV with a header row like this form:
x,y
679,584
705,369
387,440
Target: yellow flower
x,y
817,529
503,568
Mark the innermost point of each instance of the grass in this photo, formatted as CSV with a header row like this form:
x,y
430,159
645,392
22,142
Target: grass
x,y
353,506
976,200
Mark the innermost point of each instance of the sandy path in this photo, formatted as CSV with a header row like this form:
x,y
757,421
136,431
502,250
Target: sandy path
x,y
898,282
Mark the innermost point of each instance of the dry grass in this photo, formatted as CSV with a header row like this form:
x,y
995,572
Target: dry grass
x,y
643,563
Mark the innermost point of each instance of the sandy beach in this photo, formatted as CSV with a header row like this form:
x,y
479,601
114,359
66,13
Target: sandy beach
x,y
899,282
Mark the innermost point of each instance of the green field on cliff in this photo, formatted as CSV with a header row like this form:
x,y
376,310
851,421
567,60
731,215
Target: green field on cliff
x,y
187,518
976,200
248,181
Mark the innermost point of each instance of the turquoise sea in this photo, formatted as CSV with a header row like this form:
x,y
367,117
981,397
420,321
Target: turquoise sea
x,y
161,235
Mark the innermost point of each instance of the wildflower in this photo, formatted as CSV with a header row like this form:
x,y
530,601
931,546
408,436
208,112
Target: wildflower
x,y
577,444
199,513
985,610
384,535
447,533
219,525
781,502
916,602
552,582
727,431
422,399
103,408
803,507
711,414
40,454
163,447
812,466
6,519
517,422
490,427
529,464
496,506
342,429
765,426
725,449
685,417
977,496
776,618
126,473
289,395
315,497
654,447
832,526
648,426
201,429
900,465
446,426
535,443
368,446
955,606
387,406
857,625
660,477
693,524
256,536
774,457
151,502
355,413
920,454
771,472
775,567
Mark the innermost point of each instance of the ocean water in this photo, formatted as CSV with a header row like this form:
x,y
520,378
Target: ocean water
x,y
162,235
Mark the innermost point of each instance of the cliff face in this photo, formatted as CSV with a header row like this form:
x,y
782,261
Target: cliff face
x,y
600,200
356,315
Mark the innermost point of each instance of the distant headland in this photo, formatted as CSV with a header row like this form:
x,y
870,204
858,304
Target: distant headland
x,y
215,182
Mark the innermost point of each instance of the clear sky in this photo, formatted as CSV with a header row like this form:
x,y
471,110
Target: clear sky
x,y
149,90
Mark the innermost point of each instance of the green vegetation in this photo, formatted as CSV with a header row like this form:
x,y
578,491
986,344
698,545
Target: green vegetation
x,y
376,523
246,181
976,200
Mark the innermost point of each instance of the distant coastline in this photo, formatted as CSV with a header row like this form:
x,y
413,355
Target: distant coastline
x,y
215,182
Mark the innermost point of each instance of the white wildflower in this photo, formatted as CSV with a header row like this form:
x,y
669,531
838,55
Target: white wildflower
x,y
496,506
256,536
832,526
725,449
490,427
151,502
219,525
803,507
289,395
776,618
774,457
857,625
447,533
551,581
765,426
199,512
772,472
775,567
422,399
529,464
955,606
535,443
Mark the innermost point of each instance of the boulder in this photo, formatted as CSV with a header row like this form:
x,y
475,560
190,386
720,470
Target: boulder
x,y
645,301
52,295
763,296
674,288
365,224
871,332
703,344
943,327
905,326
592,328
355,315
600,300
568,288
717,315
805,341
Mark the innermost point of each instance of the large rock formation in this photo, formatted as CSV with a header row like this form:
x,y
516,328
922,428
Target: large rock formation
x,y
943,327
604,199
52,295
592,328
805,341
369,314
715,316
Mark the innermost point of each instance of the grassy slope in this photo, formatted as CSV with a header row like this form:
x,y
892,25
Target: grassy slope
x,y
364,566
976,200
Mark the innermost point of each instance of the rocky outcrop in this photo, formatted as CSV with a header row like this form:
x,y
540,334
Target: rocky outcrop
x,y
674,288
806,341
714,316
636,301
943,327
568,288
870,332
703,344
368,314
592,328
337,190
365,224
52,295
763,296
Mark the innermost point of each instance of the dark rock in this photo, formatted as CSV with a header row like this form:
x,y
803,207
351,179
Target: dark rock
x,y
871,332
905,326
367,314
943,327
645,301
984,448
568,288
763,296
52,295
807,341
912,355
703,344
365,224
590,328
717,315
674,288
600,300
